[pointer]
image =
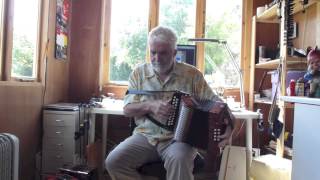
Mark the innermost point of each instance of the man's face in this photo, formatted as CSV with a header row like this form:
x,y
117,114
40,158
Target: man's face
x,y
162,56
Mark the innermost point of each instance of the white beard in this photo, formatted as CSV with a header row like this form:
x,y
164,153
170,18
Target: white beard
x,y
161,68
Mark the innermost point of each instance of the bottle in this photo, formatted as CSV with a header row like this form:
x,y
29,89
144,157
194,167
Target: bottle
x,y
292,86
299,88
307,89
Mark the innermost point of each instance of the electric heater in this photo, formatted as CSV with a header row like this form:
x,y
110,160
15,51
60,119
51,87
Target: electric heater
x,y
9,156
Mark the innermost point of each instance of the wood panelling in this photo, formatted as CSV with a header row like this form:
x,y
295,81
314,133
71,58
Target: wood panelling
x,y
20,112
21,102
56,76
307,24
245,63
85,49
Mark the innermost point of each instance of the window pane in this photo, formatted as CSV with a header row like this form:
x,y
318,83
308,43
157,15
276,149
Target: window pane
x,y
180,16
128,37
25,34
223,21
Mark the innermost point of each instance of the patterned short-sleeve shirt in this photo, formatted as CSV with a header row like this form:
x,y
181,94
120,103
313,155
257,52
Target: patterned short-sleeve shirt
x,y
183,77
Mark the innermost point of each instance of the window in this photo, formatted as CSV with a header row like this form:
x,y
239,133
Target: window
x,y
180,16
22,39
128,38
25,38
223,21
129,32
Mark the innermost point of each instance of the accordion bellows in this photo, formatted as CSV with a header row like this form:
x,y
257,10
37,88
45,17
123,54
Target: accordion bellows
x,y
199,123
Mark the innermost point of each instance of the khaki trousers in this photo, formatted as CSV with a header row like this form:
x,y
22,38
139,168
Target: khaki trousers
x,y
123,161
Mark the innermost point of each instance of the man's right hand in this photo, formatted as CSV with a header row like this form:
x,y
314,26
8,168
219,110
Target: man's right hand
x,y
161,110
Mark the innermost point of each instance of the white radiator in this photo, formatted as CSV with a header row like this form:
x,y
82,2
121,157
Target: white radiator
x,y
9,157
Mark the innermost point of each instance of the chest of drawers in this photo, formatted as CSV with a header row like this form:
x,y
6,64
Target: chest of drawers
x,y
59,146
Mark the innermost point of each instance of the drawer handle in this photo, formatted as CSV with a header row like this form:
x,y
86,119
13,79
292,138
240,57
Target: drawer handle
x,y
59,144
58,120
58,157
58,132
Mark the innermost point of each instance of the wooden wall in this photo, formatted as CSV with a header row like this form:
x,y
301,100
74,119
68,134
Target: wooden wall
x,y
85,49
20,112
21,103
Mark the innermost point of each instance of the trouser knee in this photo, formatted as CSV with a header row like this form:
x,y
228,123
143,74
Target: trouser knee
x,y
111,164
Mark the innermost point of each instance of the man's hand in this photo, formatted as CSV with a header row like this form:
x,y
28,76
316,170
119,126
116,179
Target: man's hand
x,y
161,110
226,137
230,134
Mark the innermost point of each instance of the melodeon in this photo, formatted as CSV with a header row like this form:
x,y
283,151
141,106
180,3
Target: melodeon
x,y
198,123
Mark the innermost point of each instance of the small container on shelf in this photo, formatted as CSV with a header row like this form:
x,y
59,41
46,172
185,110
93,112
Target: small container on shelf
x,y
292,86
299,87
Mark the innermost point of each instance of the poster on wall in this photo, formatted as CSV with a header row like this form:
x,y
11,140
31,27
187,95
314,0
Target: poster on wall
x,y
62,29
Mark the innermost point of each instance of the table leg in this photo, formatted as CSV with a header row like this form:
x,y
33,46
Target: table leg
x,y
92,127
104,138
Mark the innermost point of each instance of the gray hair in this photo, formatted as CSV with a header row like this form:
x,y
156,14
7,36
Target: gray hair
x,y
163,34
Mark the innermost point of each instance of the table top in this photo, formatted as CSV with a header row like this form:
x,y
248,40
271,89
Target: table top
x,y
115,107
109,106
302,100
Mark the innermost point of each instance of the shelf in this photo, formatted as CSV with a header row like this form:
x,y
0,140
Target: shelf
x,y
263,101
270,15
268,101
292,62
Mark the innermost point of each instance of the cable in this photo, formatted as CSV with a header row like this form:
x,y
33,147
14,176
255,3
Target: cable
x,y
45,59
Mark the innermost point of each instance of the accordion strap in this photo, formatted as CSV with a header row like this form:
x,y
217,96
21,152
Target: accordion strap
x,y
144,92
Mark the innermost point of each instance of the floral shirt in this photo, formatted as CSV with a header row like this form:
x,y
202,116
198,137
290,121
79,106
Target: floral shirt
x,y
183,77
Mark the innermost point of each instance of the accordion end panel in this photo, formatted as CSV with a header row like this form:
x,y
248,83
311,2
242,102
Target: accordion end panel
x,y
216,127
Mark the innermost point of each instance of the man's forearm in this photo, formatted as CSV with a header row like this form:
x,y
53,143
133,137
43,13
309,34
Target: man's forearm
x,y
137,109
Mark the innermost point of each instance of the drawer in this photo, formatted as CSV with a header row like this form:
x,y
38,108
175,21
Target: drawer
x,y
59,131
66,145
51,119
57,156
52,166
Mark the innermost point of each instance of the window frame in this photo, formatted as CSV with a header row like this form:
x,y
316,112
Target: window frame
x,y
199,33
6,41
